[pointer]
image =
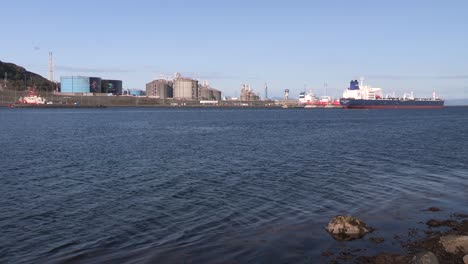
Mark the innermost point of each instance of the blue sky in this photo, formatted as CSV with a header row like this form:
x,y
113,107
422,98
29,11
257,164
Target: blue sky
x,y
400,46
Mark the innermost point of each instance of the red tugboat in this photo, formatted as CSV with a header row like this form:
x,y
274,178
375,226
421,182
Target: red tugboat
x,y
32,97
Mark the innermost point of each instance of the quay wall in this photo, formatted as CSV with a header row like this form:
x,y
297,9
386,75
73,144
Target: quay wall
x,y
88,99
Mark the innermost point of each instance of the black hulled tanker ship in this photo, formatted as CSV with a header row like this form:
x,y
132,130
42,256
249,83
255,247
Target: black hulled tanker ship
x,y
366,97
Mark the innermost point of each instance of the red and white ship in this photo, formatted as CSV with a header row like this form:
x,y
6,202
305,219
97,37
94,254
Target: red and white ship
x,y
32,97
309,100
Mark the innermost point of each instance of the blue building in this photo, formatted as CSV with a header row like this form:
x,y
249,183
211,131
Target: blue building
x,y
80,84
133,92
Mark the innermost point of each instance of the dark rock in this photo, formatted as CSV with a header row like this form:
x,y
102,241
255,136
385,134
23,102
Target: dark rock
x,y
327,253
377,240
384,258
462,228
434,223
458,215
450,223
433,209
439,223
345,256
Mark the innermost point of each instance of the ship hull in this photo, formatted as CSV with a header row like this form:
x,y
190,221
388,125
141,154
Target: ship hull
x,y
391,104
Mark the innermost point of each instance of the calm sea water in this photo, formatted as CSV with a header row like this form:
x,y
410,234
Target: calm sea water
x,y
138,185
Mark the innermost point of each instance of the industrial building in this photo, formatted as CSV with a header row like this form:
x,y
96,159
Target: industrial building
x,y
85,84
161,88
185,88
247,94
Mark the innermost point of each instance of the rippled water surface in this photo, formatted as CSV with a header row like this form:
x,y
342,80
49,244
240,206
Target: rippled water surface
x,y
138,185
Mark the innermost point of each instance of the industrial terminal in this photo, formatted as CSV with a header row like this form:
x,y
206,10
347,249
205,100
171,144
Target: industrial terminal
x,y
182,89
175,91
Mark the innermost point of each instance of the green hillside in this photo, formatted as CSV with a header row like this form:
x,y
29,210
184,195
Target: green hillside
x,y
18,78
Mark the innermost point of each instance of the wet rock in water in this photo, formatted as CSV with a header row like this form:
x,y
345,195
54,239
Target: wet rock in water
x,y
438,223
425,258
455,244
433,209
465,259
344,227
434,223
377,240
459,215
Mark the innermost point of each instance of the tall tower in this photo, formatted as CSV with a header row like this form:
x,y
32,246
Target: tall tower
x,y
266,91
51,67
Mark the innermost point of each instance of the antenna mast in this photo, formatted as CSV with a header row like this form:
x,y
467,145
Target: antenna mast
x,y
51,67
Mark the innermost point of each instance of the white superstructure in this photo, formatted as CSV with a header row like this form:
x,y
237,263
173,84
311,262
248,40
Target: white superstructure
x,y
366,92
307,98
32,97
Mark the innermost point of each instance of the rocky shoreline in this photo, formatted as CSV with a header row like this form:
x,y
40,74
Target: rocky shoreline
x,y
439,241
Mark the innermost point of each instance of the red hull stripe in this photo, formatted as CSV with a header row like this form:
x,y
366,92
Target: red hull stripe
x,y
394,106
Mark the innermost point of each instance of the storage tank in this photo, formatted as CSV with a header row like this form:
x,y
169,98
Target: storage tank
x,y
185,88
79,84
95,85
74,84
111,86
